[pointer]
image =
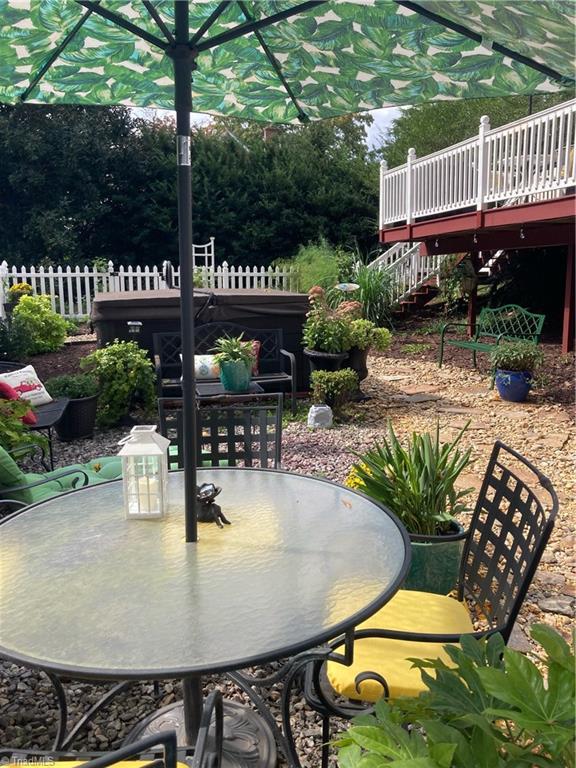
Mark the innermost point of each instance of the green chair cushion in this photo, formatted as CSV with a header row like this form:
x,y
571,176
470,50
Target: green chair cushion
x,y
10,472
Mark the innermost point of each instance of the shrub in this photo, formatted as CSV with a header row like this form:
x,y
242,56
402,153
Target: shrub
x,y
325,330
13,432
516,356
417,483
495,707
315,264
125,375
16,291
74,386
13,341
334,388
35,320
365,335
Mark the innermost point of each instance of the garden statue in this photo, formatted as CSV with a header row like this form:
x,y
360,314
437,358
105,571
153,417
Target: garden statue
x,y
208,511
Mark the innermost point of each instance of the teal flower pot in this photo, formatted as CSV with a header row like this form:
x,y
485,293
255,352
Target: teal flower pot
x,y
235,376
435,561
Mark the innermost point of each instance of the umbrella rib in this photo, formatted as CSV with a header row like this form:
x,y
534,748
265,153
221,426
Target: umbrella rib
x,y
251,26
55,54
159,21
124,23
503,49
208,23
276,66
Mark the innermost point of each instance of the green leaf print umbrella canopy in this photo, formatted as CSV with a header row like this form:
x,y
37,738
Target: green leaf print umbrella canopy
x,y
286,61
317,60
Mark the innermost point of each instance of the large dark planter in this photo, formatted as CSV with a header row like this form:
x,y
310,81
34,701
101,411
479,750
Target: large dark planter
x,y
435,561
357,359
325,361
78,419
513,385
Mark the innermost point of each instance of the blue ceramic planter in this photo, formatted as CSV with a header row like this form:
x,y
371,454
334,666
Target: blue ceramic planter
x,y
513,385
436,561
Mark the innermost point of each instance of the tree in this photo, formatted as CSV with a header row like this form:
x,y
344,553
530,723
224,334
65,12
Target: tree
x,y
432,127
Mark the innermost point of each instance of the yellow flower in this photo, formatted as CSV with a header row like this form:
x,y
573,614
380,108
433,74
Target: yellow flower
x,y
353,480
96,467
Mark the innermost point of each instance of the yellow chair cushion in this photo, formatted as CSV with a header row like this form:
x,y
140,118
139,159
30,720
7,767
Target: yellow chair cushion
x,y
415,612
121,764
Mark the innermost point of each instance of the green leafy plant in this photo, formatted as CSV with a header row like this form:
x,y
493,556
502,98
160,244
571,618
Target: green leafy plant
x,y
315,264
232,349
325,332
75,386
16,291
416,482
334,388
493,708
516,356
365,335
415,348
125,376
374,293
13,432
34,319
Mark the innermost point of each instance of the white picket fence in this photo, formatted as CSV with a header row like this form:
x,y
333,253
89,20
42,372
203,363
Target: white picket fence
x,y
72,290
531,159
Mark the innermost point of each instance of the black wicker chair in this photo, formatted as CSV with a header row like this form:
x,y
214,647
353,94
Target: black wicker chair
x,y
247,434
157,751
510,527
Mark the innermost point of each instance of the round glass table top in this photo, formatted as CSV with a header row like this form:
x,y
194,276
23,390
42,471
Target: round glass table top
x,y
83,590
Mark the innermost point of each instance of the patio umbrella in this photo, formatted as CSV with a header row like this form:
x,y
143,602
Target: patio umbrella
x,y
283,61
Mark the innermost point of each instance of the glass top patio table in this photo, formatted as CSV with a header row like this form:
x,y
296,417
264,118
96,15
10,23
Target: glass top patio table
x,y
84,591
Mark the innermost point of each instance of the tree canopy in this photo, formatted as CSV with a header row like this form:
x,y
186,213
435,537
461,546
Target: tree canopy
x,y
84,183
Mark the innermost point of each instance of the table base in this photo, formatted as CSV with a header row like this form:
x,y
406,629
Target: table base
x,y
248,741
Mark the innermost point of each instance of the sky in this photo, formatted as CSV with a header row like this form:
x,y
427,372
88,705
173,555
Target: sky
x,y
382,119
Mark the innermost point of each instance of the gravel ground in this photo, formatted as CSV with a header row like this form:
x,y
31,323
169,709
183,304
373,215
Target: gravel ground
x,y
410,390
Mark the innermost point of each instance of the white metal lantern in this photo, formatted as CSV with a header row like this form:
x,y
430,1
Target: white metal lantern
x,y
144,473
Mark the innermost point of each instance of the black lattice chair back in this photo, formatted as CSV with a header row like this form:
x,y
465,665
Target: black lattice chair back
x,y
240,435
269,357
509,530
248,435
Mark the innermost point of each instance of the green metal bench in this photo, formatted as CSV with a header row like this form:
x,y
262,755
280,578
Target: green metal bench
x,y
510,322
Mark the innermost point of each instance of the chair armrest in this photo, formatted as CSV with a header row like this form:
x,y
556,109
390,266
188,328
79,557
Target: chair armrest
x,y
53,476
447,326
392,634
31,449
292,358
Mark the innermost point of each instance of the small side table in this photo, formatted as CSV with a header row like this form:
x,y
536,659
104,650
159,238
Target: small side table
x,y
47,416
213,390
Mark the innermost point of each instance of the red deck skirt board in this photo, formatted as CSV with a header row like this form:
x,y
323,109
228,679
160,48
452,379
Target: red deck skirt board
x,y
477,222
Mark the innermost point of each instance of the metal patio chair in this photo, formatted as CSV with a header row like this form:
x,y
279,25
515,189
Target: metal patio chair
x,y
247,434
157,751
509,530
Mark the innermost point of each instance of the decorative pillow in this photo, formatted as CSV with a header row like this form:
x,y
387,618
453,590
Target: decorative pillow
x,y
205,367
27,384
9,393
256,355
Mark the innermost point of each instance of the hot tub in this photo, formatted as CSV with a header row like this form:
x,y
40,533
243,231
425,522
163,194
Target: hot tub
x,y
160,311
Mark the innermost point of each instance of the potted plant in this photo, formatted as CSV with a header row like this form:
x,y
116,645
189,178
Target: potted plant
x,y
80,415
235,358
417,484
514,363
326,334
364,336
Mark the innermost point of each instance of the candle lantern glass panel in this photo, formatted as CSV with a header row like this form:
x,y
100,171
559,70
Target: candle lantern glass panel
x,y
144,473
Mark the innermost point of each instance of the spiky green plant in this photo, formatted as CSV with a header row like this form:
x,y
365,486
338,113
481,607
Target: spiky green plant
x,y
417,483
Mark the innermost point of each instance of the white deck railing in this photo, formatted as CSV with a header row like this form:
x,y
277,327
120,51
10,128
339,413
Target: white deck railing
x,y
529,160
72,290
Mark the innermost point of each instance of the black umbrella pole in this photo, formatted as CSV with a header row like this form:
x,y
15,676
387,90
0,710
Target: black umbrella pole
x,y
183,61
